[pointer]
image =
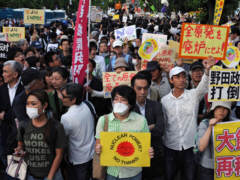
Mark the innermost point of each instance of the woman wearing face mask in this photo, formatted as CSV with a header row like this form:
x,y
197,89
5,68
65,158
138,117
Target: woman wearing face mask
x,y
123,119
136,61
220,112
60,77
42,139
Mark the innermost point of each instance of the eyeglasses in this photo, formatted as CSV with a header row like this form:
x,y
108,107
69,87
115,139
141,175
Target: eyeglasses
x,y
65,96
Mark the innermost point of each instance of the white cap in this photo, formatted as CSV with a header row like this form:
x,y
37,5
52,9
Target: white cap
x,y
225,104
175,71
117,43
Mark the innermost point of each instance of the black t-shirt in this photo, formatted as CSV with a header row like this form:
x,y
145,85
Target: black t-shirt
x,y
40,154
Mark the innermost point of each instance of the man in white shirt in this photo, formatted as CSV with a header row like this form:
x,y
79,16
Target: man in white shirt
x,y
180,108
78,123
100,62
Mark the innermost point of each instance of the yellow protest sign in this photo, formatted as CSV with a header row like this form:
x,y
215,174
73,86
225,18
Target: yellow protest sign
x,y
34,16
116,17
226,151
224,84
200,41
218,11
148,49
125,149
14,33
174,45
232,57
113,79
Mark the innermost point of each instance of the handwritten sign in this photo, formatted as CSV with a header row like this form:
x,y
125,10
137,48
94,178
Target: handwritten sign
x,y
174,45
14,33
125,149
165,57
4,46
113,79
226,151
128,32
232,57
34,16
224,85
201,41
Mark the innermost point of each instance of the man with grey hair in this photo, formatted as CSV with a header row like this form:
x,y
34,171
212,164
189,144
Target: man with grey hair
x,y
12,86
23,44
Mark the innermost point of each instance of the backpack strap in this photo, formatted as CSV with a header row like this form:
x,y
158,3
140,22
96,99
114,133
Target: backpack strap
x,y
91,109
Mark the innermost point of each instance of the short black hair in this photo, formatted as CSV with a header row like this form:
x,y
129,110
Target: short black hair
x,y
92,62
144,75
64,40
62,71
92,45
74,91
126,92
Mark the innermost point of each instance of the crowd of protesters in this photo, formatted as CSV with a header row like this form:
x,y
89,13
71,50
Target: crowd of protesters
x,y
45,117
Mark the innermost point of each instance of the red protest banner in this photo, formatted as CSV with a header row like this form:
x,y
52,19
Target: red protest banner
x,y
200,41
80,47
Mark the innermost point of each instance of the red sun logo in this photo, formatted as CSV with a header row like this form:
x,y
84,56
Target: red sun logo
x,y
125,149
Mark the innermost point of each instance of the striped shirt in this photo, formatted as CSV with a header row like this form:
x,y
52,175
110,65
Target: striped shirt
x,y
134,123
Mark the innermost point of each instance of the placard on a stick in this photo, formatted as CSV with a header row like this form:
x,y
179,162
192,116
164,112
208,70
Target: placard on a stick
x,y
14,33
34,16
113,79
200,41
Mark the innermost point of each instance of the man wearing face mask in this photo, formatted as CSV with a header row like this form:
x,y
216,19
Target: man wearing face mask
x,y
123,119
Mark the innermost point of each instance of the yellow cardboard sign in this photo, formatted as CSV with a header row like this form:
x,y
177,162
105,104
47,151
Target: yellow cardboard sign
x,y
125,149
174,45
227,151
34,16
148,49
199,41
14,33
116,17
232,57
218,11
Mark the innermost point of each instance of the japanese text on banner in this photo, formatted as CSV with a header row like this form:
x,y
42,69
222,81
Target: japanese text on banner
x,y
80,45
218,11
224,85
201,41
128,32
125,149
34,16
113,79
226,151
14,34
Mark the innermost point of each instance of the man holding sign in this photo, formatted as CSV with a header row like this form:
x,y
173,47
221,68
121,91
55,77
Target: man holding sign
x,y
180,108
123,119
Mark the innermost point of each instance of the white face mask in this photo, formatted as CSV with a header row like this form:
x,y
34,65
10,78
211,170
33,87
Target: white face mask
x,y
120,108
32,113
135,62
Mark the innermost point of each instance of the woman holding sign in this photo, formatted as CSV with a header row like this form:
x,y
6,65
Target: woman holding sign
x,y
220,112
122,119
